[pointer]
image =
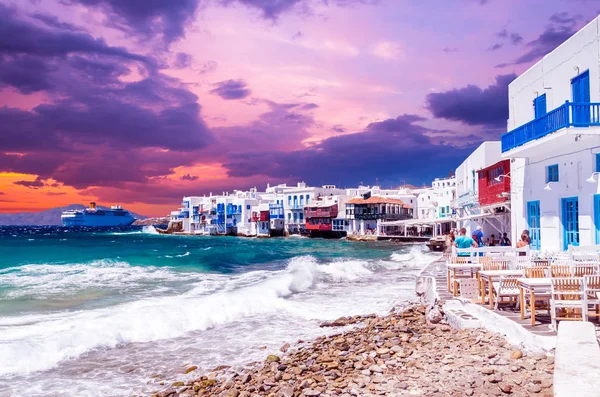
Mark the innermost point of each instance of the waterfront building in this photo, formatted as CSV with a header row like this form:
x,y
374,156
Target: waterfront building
x,y
469,212
366,213
296,198
553,143
322,214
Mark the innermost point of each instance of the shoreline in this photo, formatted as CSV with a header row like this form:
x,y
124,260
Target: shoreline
x,y
412,350
400,353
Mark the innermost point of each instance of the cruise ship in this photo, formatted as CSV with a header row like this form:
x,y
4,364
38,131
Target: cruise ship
x,y
96,217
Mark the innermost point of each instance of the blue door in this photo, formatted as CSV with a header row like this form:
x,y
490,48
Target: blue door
x,y
580,87
597,216
539,105
570,221
533,221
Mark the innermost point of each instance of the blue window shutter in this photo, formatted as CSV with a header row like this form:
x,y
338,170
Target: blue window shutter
x,y
539,105
597,162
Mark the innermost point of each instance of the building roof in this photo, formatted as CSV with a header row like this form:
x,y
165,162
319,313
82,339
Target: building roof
x,y
377,200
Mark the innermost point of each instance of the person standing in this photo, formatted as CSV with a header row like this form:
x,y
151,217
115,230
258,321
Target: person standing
x,y
464,241
505,241
478,236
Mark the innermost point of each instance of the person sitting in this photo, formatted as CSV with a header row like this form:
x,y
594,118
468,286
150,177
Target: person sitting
x,y
464,241
493,241
524,242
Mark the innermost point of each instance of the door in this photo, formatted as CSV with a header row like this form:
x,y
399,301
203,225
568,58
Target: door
x,y
580,87
533,222
539,106
570,221
597,216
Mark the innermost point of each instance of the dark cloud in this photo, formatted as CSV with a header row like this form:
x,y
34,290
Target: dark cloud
x,y
37,183
338,128
450,49
100,127
188,177
473,105
56,193
392,150
27,74
272,9
562,26
231,89
20,37
182,60
53,22
495,47
565,18
148,18
512,37
516,38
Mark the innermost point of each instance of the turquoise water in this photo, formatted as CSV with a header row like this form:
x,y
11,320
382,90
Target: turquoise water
x,y
80,306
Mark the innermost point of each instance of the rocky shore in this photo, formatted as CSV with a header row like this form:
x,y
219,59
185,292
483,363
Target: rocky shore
x,y
400,354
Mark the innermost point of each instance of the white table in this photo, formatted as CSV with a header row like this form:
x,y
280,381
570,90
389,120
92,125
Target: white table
x,y
489,276
453,267
532,286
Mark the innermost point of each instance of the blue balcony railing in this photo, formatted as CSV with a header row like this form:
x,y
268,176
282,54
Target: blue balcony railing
x,y
567,115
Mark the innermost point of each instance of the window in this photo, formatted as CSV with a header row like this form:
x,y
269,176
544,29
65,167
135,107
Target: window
x,y
493,174
552,173
248,207
597,162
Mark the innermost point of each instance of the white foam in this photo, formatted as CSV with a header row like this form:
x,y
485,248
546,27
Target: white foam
x,y
52,338
45,280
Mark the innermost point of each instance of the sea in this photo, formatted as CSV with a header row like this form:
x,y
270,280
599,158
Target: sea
x,y
125,312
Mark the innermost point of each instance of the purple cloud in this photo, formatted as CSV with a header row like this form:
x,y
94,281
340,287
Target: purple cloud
x,y
32,185
473,105
149,18
392,150
188,177
100,129
231,89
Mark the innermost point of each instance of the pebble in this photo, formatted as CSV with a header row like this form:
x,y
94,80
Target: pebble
x,y
398,354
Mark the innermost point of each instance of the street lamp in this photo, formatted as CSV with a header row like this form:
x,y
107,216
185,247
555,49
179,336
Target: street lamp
x,y
591,178
497,179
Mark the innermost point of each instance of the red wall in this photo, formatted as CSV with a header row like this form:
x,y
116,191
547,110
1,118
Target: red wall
x,y
488,194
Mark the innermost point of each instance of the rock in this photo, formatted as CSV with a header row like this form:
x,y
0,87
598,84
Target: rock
x,y
533,388
284,348
285,391
177,384
233,393
311,393
190,369
516,354
246,378
505,388
514,368
487,371
376,368
272,358
495,378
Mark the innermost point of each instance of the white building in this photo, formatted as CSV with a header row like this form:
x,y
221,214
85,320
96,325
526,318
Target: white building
x,y
469,214
554,139
296,198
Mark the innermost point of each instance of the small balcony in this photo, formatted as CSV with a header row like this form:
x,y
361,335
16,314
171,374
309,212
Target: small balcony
x,y
579,115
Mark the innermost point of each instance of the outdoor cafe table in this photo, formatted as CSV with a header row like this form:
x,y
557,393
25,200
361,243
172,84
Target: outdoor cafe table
x,y
453,267
489,276
532,286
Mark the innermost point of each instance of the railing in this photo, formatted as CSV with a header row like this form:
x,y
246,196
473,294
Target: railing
x,y
567,115
382,216
321,213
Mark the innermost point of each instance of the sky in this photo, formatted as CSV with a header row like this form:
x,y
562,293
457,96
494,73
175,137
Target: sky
x,y
139,103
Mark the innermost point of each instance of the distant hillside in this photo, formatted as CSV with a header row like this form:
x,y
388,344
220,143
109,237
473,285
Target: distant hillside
x,y
48,217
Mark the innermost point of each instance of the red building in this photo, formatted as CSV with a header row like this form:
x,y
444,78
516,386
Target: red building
x,y
494,184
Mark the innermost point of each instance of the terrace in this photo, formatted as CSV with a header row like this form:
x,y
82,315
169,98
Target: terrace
x,y
578,115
